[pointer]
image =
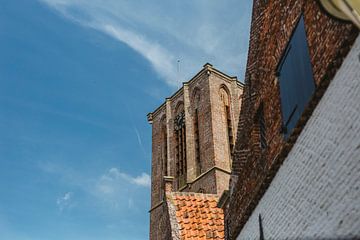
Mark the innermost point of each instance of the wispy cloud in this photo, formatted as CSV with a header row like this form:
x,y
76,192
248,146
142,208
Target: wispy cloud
x,y
138,136
113,189
158,56
163,32
109,181
44,108
65,201
118,189
142,180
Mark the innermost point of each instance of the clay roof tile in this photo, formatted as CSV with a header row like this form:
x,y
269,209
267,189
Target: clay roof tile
x,y
198,216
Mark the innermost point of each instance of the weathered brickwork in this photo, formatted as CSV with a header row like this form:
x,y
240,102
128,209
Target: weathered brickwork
x,y
273,23
315,194
211,107
162,223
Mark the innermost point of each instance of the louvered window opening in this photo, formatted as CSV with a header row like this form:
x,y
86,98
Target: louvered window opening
x,y
229,130
165,153
197,144
181,167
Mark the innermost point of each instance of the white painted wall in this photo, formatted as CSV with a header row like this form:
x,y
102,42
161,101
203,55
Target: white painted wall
x,y
316,193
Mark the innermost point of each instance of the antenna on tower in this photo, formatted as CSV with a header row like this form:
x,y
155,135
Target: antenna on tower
x,y
178,69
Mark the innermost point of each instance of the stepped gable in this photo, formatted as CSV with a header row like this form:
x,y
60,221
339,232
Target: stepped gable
x,y
195,216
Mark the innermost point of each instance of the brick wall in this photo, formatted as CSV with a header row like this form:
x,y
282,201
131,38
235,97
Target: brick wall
x,y
201,86
273,22
160,223
315,193
222,154
157,155
157,218
213,139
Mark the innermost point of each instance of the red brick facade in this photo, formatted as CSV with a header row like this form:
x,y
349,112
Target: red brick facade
x,y
193,134
273,23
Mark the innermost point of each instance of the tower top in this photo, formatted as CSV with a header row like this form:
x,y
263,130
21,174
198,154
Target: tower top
x,y
207,69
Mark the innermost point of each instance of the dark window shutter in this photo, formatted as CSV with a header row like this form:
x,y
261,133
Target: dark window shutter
x,y
296,78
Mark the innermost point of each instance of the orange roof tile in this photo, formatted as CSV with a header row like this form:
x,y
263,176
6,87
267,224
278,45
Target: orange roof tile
x,y
197,216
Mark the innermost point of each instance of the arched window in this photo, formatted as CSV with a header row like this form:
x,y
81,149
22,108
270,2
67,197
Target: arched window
x,y
225,98
196,101
180,150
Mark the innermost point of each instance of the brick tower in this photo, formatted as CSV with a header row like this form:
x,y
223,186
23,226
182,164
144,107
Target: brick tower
x,y
193,134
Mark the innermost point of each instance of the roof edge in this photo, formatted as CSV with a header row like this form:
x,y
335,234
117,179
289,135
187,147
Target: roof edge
x,y
207,69
174,225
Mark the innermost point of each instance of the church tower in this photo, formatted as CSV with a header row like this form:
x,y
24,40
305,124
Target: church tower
x,y
193,135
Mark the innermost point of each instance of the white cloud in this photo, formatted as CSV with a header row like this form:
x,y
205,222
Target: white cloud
x,y
163,32
142,180
112,190
65,201
159,57
118,189
110,180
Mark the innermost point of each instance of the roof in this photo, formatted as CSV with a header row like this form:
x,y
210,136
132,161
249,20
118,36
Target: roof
x,y
195,216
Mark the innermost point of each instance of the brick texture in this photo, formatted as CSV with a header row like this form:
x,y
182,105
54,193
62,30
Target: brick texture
x,y
215,156
315,194
273,22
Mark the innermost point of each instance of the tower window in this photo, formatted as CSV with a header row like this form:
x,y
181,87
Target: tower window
x,y
296,78
198,164
197,144
180,134
165,152
229,129
227,116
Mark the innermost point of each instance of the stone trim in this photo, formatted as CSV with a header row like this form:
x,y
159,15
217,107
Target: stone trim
x,y
155,112
202,175
201,195
224,199
175,230
156,206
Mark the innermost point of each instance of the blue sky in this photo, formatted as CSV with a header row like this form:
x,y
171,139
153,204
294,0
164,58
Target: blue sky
x,y
77,78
